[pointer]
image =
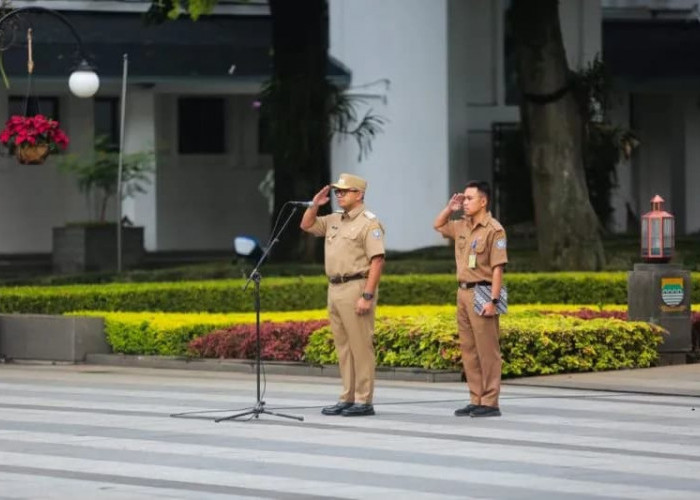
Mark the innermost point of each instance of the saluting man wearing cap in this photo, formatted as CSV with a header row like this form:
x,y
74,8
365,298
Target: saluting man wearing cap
x,y
354,252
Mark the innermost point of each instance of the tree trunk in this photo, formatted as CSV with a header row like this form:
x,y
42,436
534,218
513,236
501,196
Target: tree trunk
x,y
299,114
568,232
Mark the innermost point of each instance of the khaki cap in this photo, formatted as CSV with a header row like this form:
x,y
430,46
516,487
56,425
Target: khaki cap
x,y
349,181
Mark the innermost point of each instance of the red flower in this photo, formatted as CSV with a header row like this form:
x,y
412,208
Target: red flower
x,y
33,130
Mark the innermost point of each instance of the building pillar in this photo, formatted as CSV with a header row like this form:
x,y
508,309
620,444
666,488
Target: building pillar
x,y
140,136
397,51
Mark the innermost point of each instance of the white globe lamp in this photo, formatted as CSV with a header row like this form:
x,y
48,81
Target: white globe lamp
x,y
84,82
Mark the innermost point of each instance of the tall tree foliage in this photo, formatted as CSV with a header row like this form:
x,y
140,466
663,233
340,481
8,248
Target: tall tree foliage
x,y
568,231
303,108
297,98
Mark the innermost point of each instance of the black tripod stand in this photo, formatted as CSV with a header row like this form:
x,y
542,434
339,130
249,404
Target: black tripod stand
x,y
255,277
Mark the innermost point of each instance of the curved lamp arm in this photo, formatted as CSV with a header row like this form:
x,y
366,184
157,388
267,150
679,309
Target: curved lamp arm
x,y
83,82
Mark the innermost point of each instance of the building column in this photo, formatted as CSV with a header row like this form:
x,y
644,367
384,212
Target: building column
x,y
397,51
622,198
140,136
692,165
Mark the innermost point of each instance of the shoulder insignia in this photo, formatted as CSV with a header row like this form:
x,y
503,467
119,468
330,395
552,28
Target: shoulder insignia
x,y
338,211
377,234
496,225
501,244
369,215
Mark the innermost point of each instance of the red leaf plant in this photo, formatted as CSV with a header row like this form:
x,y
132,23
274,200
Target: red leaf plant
x,y
585,313
278,341
22,130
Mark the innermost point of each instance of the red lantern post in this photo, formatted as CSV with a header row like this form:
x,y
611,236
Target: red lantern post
x,y
658,233
659,292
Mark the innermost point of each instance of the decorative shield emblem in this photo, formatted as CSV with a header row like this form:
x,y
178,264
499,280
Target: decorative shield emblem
x,y
672,291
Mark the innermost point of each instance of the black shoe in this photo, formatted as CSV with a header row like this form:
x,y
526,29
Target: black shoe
x,y
466,411
486,411
337,408
358,410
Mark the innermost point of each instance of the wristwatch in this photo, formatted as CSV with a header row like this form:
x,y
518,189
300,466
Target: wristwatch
x,y
495,301
367,296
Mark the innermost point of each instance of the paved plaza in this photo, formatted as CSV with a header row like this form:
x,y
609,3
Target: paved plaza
x,y
104,432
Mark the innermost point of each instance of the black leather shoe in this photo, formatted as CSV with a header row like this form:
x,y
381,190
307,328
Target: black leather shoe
x,y
358,410
486,411
337,408
466,411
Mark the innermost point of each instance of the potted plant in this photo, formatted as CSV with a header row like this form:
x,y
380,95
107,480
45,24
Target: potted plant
x,y
91,245
32,138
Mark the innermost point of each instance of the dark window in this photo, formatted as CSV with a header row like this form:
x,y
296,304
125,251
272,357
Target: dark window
x,y
201,125
509,64
47,106
264,136
512,186
107,120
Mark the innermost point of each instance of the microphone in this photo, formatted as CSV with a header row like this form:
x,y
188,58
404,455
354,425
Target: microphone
x,y
306,204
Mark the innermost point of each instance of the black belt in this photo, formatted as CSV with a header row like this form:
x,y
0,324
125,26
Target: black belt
x,y
471,284
347,277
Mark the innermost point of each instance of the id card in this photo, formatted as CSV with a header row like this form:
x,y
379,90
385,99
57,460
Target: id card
x,y
472,256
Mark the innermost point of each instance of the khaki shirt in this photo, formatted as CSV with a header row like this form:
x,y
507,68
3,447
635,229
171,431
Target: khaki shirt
x,y
486,240
352,239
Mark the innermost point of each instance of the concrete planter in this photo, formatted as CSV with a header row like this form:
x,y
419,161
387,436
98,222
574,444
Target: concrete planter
x,y
93,248
51,338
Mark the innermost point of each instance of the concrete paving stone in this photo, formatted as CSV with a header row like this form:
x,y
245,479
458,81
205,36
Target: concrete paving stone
x,y
108,432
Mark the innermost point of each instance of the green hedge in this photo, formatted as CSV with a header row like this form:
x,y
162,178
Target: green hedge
x,y
289,294
531,344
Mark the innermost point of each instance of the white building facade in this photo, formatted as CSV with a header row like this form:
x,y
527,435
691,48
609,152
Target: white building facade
x,y
434,69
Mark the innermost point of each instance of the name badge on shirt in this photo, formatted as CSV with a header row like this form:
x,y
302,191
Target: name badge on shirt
x,y
472,257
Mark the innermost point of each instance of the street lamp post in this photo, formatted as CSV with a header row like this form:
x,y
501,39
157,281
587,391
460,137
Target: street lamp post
x,y
83,81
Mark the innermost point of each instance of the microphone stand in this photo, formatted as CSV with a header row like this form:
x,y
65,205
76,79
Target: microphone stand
x,y
255,277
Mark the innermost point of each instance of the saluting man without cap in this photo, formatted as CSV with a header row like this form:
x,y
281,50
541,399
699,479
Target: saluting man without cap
x,y
480,252
354,253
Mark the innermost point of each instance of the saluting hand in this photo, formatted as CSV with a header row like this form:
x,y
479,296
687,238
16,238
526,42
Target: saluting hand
x,y
455,202
322,197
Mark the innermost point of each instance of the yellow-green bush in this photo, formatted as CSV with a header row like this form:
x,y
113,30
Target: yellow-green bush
x,y
292,294
420,336
531,343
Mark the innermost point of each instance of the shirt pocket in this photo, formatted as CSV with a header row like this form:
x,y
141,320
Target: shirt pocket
x,y
351,234
331,236
461,243
479,245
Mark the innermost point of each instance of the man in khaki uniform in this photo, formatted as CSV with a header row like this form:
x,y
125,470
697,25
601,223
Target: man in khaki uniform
x,y
354,252
480,252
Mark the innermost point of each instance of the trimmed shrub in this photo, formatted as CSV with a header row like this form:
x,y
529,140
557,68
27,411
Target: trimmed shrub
x,y
292,294
531,344
278,341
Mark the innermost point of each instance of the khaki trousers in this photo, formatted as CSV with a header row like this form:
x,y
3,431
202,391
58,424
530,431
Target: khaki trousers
x,y
481,351
353,337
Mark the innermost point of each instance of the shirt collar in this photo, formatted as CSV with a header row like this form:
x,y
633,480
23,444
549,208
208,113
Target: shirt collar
x,y
484,220
355,211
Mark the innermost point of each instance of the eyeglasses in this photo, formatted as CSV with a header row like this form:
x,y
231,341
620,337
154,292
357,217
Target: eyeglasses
x,y
343,192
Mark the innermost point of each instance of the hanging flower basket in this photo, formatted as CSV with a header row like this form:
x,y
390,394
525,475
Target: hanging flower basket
x,y
32,154
32,138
